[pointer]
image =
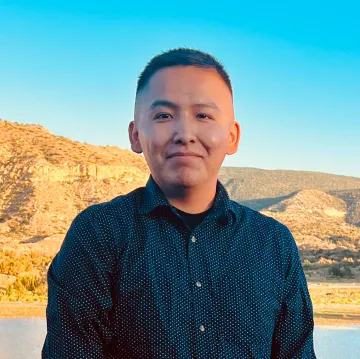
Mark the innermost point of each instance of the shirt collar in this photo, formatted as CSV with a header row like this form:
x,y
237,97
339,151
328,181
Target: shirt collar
x,y
155,198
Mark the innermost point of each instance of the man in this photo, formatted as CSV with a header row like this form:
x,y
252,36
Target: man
x,y
177,269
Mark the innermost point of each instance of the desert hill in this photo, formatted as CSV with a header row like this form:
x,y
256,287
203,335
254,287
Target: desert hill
x,y
329,243
317,220
352,199
260,189
45,180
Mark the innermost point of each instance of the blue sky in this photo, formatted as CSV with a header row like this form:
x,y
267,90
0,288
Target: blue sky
x,y
72,66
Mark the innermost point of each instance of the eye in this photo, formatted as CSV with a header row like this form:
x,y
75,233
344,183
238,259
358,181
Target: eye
x,y
162,116
204,116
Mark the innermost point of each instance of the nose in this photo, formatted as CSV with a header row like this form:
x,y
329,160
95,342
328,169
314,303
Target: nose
x,y
184,131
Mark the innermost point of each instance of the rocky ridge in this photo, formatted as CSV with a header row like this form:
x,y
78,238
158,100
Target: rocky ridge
x,y
45,180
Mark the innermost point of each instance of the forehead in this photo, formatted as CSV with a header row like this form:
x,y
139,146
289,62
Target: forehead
x,y
186,83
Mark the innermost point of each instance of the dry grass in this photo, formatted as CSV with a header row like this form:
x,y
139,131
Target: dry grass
x,y
333,295
22,310
23,277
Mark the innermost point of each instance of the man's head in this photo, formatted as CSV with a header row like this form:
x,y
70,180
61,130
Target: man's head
x,y
184,118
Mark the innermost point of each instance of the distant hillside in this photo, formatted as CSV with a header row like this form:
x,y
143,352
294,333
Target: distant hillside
x,y
259,189
45,180
352,199
316,219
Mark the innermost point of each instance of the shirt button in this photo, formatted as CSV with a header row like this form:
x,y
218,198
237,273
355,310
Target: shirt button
x,y
193,239
202,328
198,284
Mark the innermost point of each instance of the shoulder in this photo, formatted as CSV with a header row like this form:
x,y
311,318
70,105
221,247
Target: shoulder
x,y
267,236
106,224
262,228
111,220
256,219
119,207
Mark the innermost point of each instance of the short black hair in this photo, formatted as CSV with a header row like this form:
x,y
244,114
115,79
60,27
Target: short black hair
x,y
182,56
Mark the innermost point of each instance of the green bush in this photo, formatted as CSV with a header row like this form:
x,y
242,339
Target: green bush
x,y
341,271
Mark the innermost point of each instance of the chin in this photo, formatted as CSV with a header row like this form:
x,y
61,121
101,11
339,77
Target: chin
x,y
185,178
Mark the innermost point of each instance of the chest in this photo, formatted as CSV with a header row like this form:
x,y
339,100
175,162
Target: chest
x,y
227,278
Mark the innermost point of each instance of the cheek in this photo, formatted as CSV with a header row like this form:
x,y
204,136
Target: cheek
x,y
214,138
153,140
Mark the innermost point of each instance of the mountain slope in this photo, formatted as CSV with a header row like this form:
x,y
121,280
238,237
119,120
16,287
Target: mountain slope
x,y
315,219
352,199
45,180
259,189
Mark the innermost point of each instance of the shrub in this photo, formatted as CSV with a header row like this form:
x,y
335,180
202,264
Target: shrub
x,y
341,271
28,287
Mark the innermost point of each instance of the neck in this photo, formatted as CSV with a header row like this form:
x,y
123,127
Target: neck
x,y
191,199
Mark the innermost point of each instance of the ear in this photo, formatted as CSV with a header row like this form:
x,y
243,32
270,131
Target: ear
x,y
134,137
234,138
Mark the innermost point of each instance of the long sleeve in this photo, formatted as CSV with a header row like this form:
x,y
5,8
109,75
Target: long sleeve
x,y
79,294
293,335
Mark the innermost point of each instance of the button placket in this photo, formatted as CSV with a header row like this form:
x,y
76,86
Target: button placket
x,y
200,293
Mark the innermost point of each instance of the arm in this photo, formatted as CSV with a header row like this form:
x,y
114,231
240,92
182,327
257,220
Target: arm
x,y
79,294
293,335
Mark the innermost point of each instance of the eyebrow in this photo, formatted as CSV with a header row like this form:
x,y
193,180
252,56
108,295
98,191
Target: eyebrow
x,y
163,103
166,103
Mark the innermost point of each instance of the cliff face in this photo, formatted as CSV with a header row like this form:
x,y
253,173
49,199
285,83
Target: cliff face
x,y
45,180
52,173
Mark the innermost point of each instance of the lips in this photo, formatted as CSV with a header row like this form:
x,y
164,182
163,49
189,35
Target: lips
x,y
183,154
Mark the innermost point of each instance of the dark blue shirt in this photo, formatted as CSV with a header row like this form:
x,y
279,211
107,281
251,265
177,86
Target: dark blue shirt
x,y
124,286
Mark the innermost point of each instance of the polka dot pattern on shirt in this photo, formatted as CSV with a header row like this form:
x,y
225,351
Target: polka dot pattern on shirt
x,y
124,286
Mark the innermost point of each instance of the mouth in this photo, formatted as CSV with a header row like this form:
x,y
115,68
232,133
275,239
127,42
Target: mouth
x,y
183,154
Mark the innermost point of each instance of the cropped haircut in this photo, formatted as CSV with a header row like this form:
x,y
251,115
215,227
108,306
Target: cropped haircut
x,y
181,57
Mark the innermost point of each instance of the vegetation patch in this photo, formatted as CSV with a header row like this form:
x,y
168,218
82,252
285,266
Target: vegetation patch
x,y
29,271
